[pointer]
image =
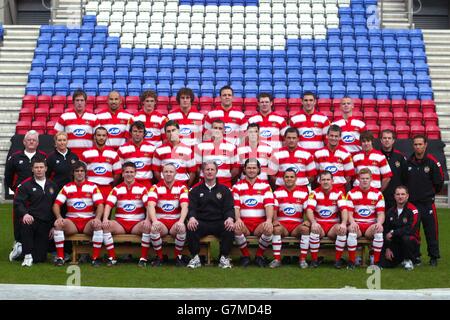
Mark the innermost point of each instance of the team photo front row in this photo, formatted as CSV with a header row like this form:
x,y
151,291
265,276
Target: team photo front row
x,y
249,208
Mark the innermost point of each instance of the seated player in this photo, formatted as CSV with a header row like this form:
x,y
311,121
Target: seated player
x,y
253,206
129,198
84,212
167,208
365,216
324,205
290,202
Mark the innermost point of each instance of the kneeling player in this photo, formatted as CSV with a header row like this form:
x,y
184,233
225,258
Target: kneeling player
x,y
324,205
167,208
82,198
130,199
365,216
290,202
253,206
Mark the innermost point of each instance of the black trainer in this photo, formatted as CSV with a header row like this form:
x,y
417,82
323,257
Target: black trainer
x,y
142,263
179,262
59,262
157,262
351,266
339,264
433,262
260,262
245,261
96,263
314,264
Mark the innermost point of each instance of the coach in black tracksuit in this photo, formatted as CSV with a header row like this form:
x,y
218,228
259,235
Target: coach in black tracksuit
x,y
425,179
211,212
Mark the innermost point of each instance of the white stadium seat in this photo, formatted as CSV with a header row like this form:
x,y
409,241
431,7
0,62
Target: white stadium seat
x,y
237,28
182,42
154,42
157,17
319,20
103,18
265,29
182,10
184,18
197,18
305,19
265,43
171,7
129,27
291,8
115,28
265,18
198,9
331,9
320,32
116,17
306,31
130,17
224,10
279,43
277,8
251,29
210,42
212,9
237,18
224,29
131,6
251,10
251,18
238,9
195,41
118,6
223,42
127,39
143,17
197,28
91,7
278,30
105,7
278,19
156,27
265,8
183,28
211,18
210,29
292,31
304,9
169,28
140,40
168,40
224,19
158,7
251,42
318,9
292,19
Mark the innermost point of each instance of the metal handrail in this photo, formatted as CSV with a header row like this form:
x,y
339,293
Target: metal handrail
x,y
381,12
410,10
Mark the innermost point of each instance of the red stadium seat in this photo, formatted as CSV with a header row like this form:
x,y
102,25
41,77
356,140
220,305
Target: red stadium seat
x,y
336,104
59,101
428,106
357,102
44,101
400,118
133,110
206,102
39,126
23,126
238,102
374,128
204,111
370,117
413,105
385,118
55,112
294,104
337,114
328,114
29,101
402,131
101,102
90,101
195,102
357,114
173,103
387,127
415,118
433,132
417,129
283,112
132,102
430,118
398,105
369,104
26,113
280,103
163,101
163,109
217,101
251,108
41,113
383,105
50,128
251,102
250,113
325,104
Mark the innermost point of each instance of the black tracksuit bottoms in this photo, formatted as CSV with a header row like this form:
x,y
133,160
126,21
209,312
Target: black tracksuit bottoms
x,y
205,228
403,248
428,218
35,239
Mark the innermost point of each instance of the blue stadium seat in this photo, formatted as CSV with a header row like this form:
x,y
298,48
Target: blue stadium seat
x,y
236,75
251,90
364,65
95,62
109,62
353,91
367,91
38,63
76,85
166,62
113,41
166,75
350,65
222,75
306,53
390,53
36,74
111,51
322,65
64,74
62,88
337,77
140,52
250,76
52,63
334,42
395,79
222,63
321,76
193,76
46,29
91,88
93,74
336,65
363,53
33,88
411,92
150,75
279,64
324,90
295,90
107,74
380,78
264,64
123,62
351,77
382,91
280,90
247,54
136,74
425,93
206,89
406,66
279,76
417,44
420,66
120,87
99,39
137,62
378,65
44,39
338,91
125,52
397,92
104,88
50,74
308,65
121,74
179,75
208,63
58,39
72,39
409,78
293,65
265,75
294,75
335,53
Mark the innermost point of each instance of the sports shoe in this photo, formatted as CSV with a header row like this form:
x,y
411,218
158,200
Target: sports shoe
x,y
96,263
358,261
27,261
195,262
314,264
433,262
16,251
59,262
351,265
303,264
157,262
339,264
142,263
408,265
225,262
111,262
245,261
275,264
260,262
179,262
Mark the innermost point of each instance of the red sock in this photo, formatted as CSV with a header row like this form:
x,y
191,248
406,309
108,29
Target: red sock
x,y
96,253
352,256
60,252
245,252
303,256
176,253
144,252
376,257
338,255
112,253
259,252
159,253
314,256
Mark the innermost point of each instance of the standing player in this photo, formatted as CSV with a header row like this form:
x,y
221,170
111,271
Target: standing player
x,y
235,123
253,206
272,125
103,163
374,160
365,217
115,120
292,156
351,127
190,120
140,152
288,221
323,208
84,212
221,152
312,125
153,120
167,208
78,123
130,199
335,159
180,155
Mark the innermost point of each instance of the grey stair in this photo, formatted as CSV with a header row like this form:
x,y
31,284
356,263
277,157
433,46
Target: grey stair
x,y
394,14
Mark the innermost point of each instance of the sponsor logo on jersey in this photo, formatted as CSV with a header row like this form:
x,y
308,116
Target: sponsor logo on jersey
x,y
99,170
364,212
114,131
185,131
79,132
289,211
266,134
218,162
308,134
294,168
149,134
228,129
139,164
79,205
332,169
325,213
348,138
251,202
168,207
129,207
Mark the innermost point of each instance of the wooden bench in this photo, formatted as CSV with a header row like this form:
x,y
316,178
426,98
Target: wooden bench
x,y
130,244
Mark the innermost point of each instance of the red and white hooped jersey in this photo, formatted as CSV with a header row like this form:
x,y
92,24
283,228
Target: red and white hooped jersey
x,y
117,125
141,156
102,165
252,199
191,126
79,129
168,200
290,205
376,162
339,163
311,128
365,205
154,126
130,201
81,199
299,159
326,207
181,156
223,154
262,153
271,128
235,123
351,130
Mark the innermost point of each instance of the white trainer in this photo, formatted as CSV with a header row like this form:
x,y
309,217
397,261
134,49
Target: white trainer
x,y
27,261
195,262
408,265
225,263
16,251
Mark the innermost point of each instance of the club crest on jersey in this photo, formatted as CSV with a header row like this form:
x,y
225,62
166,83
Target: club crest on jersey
x,y
79,132
114,131
325,213
129,207
364,212
266,134
332,169
348,138
168,207
99,170
289,211
397,164
185,131
219,195
426,169
79,205
251,202
308,134
139,164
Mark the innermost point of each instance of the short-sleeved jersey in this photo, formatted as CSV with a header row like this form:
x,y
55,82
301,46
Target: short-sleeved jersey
x,y
351,130
81,199
365,205
181,156
235,123
376,162
299,159
262,153
168,200
271,128
154,126
141,156
130,201
311,128
290,205
252,199
223,154
191,126
326,207
79,129
117,124
102,165
338,162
